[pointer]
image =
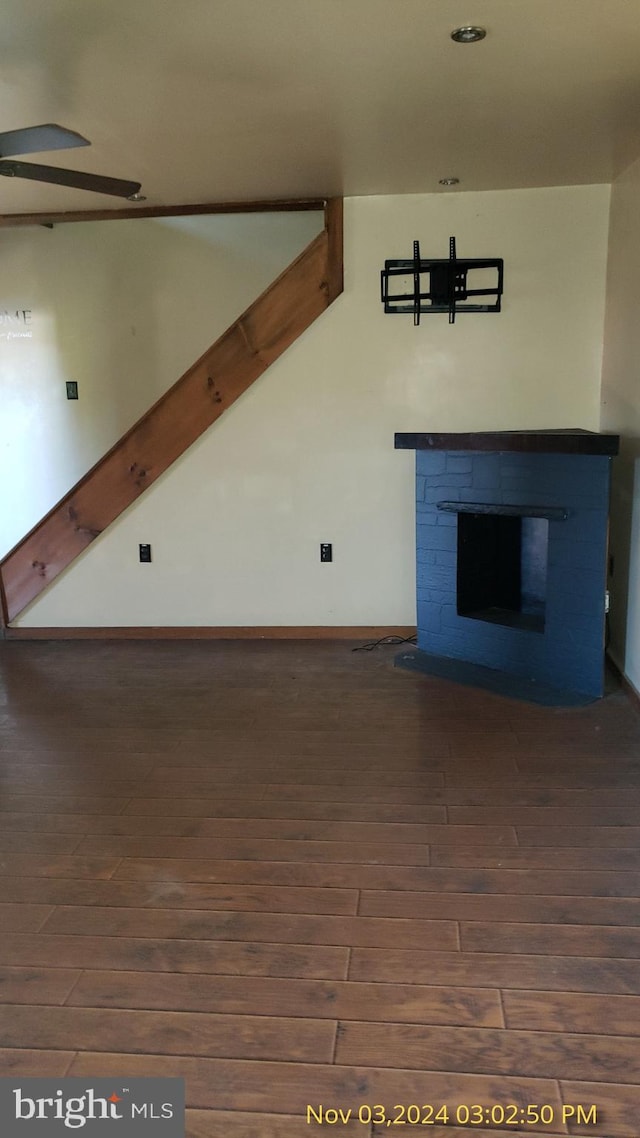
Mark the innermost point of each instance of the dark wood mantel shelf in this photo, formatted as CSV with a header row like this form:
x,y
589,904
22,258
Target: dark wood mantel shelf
x,y
571,440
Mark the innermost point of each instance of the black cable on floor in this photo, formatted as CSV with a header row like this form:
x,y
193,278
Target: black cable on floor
x,y
385,640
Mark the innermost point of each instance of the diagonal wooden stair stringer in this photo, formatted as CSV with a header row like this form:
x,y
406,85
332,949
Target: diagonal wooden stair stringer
x,y
243,353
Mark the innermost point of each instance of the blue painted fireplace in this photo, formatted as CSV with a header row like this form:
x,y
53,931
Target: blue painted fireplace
x,y
511,548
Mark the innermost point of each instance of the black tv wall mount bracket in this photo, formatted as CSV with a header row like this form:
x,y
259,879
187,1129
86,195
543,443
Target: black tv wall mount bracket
x,y
448,289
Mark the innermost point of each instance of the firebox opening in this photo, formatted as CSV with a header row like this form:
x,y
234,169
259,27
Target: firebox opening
x,y
502,569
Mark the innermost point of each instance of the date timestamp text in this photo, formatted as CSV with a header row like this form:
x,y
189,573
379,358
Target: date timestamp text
x,y
472,1114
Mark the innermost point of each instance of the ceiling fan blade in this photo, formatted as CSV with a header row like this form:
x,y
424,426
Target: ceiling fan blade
x,y
78,179
33,139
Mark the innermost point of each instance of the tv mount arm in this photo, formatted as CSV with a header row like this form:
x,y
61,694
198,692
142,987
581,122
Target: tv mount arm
x,y
448,290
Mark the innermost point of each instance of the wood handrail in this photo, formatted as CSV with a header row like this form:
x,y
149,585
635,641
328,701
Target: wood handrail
x,y
243,353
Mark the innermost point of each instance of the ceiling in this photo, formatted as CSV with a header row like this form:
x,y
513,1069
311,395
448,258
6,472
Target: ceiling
x,y
237,100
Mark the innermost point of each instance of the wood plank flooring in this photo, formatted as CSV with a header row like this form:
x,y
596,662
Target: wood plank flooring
x,y
298,877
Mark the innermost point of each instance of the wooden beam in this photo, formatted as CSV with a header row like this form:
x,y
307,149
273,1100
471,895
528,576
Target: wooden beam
x,y
268,327
333,221
281,205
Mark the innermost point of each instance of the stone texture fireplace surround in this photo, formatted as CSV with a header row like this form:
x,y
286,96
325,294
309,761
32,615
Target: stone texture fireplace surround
x,y
511,550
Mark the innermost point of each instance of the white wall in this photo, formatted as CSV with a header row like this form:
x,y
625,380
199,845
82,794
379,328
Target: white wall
x,y
621,412
306,455
123,308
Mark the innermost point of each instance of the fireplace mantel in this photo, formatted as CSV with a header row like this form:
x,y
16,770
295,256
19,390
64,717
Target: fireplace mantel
x,y
572,440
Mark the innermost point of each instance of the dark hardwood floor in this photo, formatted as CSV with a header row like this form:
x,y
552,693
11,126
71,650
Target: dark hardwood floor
x,y
296,876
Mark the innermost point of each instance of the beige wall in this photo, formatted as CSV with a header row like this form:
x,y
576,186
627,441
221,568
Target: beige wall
x,y
306,455
621,412
123,308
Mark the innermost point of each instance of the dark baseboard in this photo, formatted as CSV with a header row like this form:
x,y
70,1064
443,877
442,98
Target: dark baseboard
x,y
625,683
237,632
